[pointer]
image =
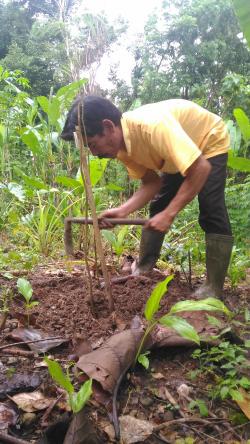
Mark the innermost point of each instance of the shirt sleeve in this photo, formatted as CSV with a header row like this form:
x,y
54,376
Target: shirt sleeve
x,y
173,144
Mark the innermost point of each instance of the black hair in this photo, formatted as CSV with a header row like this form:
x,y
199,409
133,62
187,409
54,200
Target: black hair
x,y
94,110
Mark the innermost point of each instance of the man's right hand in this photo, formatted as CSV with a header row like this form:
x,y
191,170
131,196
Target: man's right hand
x,y
113,213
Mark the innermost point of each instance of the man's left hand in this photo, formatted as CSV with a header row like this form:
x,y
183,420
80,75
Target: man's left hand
x,y
161,222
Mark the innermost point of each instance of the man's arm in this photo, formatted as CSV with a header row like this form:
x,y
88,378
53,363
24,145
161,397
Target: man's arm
x,y
196,177
151,184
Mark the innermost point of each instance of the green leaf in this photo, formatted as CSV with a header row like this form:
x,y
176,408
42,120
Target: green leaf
x,y
96,169
184,329
242,9
58,375
243,123
143,360
17,191
153,302
69,182
236,395
113,187
24,287
244,382
201,406
247,315
33,304
208,304
44,103
247,343
67,93
238,163
54,110
109,236
78,400
213,321
30,138
34,183
224,392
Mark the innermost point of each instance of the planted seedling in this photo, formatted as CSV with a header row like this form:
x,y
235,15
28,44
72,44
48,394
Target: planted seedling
x,y
116,240
170,320
143,359
77,400
25,289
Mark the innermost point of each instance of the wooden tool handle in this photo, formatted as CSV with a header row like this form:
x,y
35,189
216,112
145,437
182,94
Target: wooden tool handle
x,y
68,239
114,221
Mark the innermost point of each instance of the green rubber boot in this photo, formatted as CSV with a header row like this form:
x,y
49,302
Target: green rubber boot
x,y
150,247
218,254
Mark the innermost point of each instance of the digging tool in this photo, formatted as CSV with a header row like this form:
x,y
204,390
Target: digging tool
x,y
68,238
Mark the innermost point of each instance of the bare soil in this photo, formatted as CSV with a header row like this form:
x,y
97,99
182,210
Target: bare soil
x,y
63,310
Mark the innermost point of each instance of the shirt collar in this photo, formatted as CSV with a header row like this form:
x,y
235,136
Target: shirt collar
x,y
126,135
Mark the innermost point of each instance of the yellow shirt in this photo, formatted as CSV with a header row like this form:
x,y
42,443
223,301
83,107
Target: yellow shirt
x,y
169,136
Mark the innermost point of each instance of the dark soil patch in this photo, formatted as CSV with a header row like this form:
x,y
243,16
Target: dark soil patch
x,y
63,310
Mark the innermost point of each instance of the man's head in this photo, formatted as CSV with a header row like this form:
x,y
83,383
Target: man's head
x,y
101,120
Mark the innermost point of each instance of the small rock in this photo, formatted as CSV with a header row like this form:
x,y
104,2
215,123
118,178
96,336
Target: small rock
x,y
184,391
134,400
134,430
12,360
141,416
147,402
28,418
168,415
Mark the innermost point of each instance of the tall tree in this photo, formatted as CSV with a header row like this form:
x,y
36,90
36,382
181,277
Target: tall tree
x,y
53,42
189,50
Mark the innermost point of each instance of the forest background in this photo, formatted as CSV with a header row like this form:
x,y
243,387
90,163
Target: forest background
x,y
193,49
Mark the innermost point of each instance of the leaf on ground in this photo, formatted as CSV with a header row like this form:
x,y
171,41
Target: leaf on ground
x,y
157,376
245,403
32,334
31,402
18,382
107,363
81,430
134,430
8,417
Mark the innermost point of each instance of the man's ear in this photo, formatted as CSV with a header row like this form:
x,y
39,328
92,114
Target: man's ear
x,y
108,126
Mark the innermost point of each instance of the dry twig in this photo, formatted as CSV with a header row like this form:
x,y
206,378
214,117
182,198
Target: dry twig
x,y
30,342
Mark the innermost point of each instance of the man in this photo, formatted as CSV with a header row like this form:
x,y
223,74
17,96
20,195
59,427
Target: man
x,y
188,146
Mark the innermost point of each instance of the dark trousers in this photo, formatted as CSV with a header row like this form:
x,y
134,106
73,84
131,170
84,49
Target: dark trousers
x,y
213,217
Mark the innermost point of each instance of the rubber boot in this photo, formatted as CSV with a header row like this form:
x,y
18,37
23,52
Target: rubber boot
x,y
150,247
218,254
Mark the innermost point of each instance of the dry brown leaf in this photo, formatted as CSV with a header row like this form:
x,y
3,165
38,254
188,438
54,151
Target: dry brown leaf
x,y
32,334
245,404
158,376
134,430
31,402
106,364
8,416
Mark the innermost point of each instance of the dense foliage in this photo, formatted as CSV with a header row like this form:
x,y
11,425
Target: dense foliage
x,y
193,50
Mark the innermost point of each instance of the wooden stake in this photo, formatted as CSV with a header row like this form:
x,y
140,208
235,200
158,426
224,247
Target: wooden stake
x,y
86,177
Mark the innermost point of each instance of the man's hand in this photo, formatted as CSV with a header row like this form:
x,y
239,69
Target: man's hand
x,y
107,214
151,184
160,222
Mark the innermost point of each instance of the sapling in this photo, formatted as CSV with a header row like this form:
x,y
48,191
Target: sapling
x,y
185,329
25,289
77,400
116,240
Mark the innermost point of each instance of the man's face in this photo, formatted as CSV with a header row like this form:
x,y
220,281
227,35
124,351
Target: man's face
x,y
109,143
